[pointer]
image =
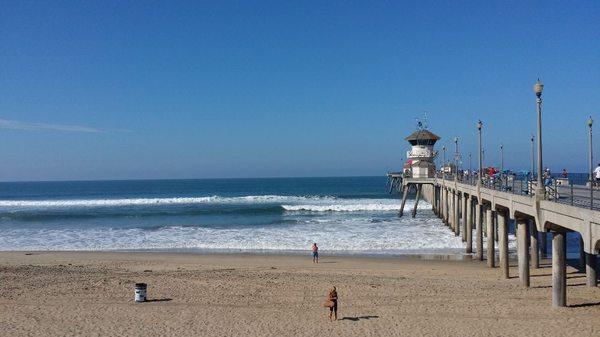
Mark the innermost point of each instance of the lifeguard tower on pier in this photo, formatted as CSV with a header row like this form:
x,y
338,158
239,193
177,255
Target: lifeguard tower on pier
x,y
419,167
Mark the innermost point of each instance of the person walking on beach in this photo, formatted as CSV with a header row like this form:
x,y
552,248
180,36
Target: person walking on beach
x,y
332,299
315,252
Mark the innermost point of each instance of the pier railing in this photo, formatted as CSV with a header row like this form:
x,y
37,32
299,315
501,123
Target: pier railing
x,y
564,191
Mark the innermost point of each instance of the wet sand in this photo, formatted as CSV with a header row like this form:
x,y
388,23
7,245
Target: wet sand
x,y
91,294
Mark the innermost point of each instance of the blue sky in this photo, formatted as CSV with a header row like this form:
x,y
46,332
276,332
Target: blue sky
x,y
174,89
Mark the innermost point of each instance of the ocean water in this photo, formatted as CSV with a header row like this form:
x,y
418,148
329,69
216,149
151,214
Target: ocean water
x,y
343,215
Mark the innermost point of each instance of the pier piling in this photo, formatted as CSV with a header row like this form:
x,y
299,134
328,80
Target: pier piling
x,y
503,243
591,270
535,250
559,270
479,231
491,251
544,245
417,196
469,231
404,195
456,214
463,213
523,252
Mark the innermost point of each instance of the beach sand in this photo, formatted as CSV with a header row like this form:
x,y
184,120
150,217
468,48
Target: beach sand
x,y
92,294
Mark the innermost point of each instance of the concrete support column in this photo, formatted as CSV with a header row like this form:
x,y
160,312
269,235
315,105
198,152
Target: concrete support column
x,y
523,252
469,231
503,243
535,249
451,209
446,210
591,270
559,270
456,214
543,245
496,236
479,231
491,251
582,257
463,213
445,206
437,201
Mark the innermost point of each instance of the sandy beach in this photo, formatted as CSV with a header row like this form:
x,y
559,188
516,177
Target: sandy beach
x,y
80,293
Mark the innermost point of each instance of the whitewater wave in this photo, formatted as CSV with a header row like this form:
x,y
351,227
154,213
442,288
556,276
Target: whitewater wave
x,y
158,201
359,235
366,207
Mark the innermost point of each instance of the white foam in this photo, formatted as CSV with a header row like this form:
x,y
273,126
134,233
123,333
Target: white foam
x,y
157,201
353,207
342,234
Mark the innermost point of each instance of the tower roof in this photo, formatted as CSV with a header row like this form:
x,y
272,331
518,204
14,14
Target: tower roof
x,y
422,135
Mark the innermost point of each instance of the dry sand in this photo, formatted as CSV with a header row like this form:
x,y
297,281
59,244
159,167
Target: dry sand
x,y
91,294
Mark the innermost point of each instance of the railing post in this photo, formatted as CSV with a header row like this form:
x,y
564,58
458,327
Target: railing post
x,y
572,196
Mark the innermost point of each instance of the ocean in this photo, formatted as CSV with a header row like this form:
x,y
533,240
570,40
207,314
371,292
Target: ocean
x,y
345,215
350,215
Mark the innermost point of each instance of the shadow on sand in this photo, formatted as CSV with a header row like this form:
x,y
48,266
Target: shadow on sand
x,y
160,300
568,286
582,305
357,318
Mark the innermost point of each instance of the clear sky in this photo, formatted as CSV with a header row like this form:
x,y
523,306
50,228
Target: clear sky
x,y
175,89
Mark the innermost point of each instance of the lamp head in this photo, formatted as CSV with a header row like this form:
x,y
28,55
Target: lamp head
x,y
455,140
590,121
538,87
479,125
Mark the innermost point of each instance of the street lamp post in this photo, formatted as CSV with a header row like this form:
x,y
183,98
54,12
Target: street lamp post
x,y
502,165
455,158
538,87
532,159
482,157
479,126
470,169
590,259
444,162
590,122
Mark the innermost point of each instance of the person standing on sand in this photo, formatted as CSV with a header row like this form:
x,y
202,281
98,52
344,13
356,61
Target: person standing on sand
x,y
333,297
315,253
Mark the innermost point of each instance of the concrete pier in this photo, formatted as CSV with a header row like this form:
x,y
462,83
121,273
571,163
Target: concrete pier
x,y
418,195
456,214
491,251
479,231
463,213
559,270
523,252
535,249
543,245
591,269
469,232
503,243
